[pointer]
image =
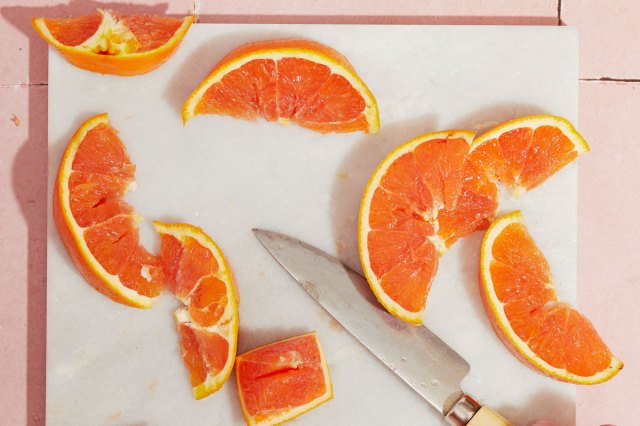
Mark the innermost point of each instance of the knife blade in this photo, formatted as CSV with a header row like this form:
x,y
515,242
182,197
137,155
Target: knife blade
x,y
419,357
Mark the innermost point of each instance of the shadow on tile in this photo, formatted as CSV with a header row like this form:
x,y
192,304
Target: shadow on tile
x,y
29,182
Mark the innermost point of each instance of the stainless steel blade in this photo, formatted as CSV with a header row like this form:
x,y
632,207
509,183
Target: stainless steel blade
x,y
418,356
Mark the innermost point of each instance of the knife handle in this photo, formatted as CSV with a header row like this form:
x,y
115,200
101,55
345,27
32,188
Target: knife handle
x,y
485,416
467,412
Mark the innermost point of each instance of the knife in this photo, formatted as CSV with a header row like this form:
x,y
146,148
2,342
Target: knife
x,y
421,359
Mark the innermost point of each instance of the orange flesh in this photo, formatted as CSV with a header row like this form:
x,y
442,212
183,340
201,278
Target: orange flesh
x,y
112,242
94,198
73,31
403,212
475,206
524,157
203,352
191,354
185,263
243,93
189,269
553,330
549,151
281,376
440,163
101,172
290,88
208,301
150,31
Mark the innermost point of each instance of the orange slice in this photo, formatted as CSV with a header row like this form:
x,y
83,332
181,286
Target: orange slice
x,y
422,197
282,380
111,43
520,298
287,80
97,227
524,152
199,275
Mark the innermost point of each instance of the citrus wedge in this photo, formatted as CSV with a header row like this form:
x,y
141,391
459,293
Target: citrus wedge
x,y
110,43
287,80
282,380
422,197
97,227
524,152
198,274
520,299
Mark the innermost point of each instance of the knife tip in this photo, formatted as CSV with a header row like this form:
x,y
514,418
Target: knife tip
x,y
262,234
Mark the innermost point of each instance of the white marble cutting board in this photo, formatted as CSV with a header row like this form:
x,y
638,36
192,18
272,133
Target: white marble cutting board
x,y
108,364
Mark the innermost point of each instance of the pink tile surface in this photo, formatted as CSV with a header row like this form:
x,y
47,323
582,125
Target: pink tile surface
x,y
406,11
23,224
609,181
609,36
382,7
609,243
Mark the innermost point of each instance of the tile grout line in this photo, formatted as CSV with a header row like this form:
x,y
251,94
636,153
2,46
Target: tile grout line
x,y
611,80
559,12
25,85
586,79
195,10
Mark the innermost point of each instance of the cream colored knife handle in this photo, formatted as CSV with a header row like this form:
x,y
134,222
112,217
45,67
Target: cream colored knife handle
x,y
485,416
467,412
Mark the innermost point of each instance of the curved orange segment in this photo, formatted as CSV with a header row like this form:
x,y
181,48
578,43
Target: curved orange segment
x,y
292,80
422,197
520,298
110,43
97,226
198,274
524,152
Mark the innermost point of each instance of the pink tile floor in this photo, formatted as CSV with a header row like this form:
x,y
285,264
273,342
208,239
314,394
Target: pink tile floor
x,y
609,204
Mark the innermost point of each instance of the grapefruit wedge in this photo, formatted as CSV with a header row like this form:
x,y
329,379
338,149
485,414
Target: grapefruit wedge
x,y
440,187
422,197
110,43
282,380
96,225
292,80
521,301
198,274
524,152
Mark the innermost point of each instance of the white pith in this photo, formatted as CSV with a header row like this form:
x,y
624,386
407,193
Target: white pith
x,y
112,37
